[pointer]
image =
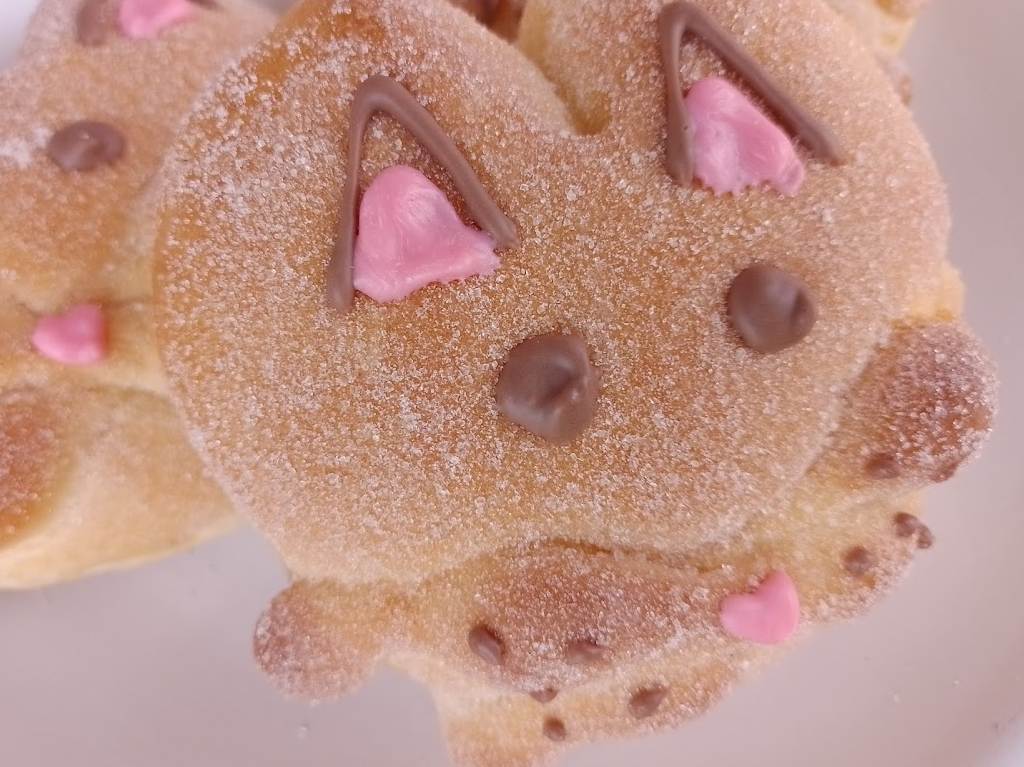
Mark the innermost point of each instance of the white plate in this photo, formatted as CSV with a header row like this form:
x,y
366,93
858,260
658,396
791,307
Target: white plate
x,y
152,669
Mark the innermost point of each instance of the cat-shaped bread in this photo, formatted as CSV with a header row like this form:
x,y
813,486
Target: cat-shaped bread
x,y
663,386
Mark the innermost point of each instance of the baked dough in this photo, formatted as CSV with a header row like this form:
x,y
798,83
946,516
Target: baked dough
x,y
602,544
95,469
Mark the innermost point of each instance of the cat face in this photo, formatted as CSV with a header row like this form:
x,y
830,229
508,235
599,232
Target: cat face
x,y
553,384
378,432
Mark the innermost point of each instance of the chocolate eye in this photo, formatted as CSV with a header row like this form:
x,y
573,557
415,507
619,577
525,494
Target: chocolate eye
x,y
680,18
549,387
770,309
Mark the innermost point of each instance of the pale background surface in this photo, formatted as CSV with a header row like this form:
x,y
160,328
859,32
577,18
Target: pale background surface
x,y
152,668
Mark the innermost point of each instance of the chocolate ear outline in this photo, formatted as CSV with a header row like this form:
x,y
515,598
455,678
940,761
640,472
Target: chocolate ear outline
x,y
678,18
379,93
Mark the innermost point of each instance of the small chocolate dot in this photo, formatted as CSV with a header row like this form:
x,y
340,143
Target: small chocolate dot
x,y
859,561
770,309
585,652
554,729
86,145
907,526
882,466
646,702
487,645
546,695
549,387
925,537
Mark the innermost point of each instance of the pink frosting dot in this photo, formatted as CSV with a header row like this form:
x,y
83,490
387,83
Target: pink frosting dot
x,y
411,236
768,616
735,145
76,337
146,19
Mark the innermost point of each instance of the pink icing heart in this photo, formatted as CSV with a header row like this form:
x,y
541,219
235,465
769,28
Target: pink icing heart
x,y
411,236
145,19
77,337
768,616
735,145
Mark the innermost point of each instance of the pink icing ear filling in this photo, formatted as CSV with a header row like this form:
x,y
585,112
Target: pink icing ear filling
x,y
410,236
768,616
77,337
735,145
146,19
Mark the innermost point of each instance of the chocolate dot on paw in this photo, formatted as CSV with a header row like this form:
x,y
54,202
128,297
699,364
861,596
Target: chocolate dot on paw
x,y
546,695
882,466
554,729
585,652
487,644
909,526
646,702
859,561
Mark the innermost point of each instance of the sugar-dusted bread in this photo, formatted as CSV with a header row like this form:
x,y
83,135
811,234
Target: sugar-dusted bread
x,y
662,387
884,24
95,470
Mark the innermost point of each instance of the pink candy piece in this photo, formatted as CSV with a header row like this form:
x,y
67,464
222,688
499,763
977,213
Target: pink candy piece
x,y
411,236
768,616
735,145
145,19
77,337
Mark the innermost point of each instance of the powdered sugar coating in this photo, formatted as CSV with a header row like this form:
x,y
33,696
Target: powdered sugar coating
x,y
409,386
86,486
369,448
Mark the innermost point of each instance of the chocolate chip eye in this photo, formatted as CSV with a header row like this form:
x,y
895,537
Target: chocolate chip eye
x,y
770,309
549,387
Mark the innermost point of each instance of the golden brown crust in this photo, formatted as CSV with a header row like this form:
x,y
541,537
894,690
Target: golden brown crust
x,y
95,445
369,447
359,408
30,460
657,617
